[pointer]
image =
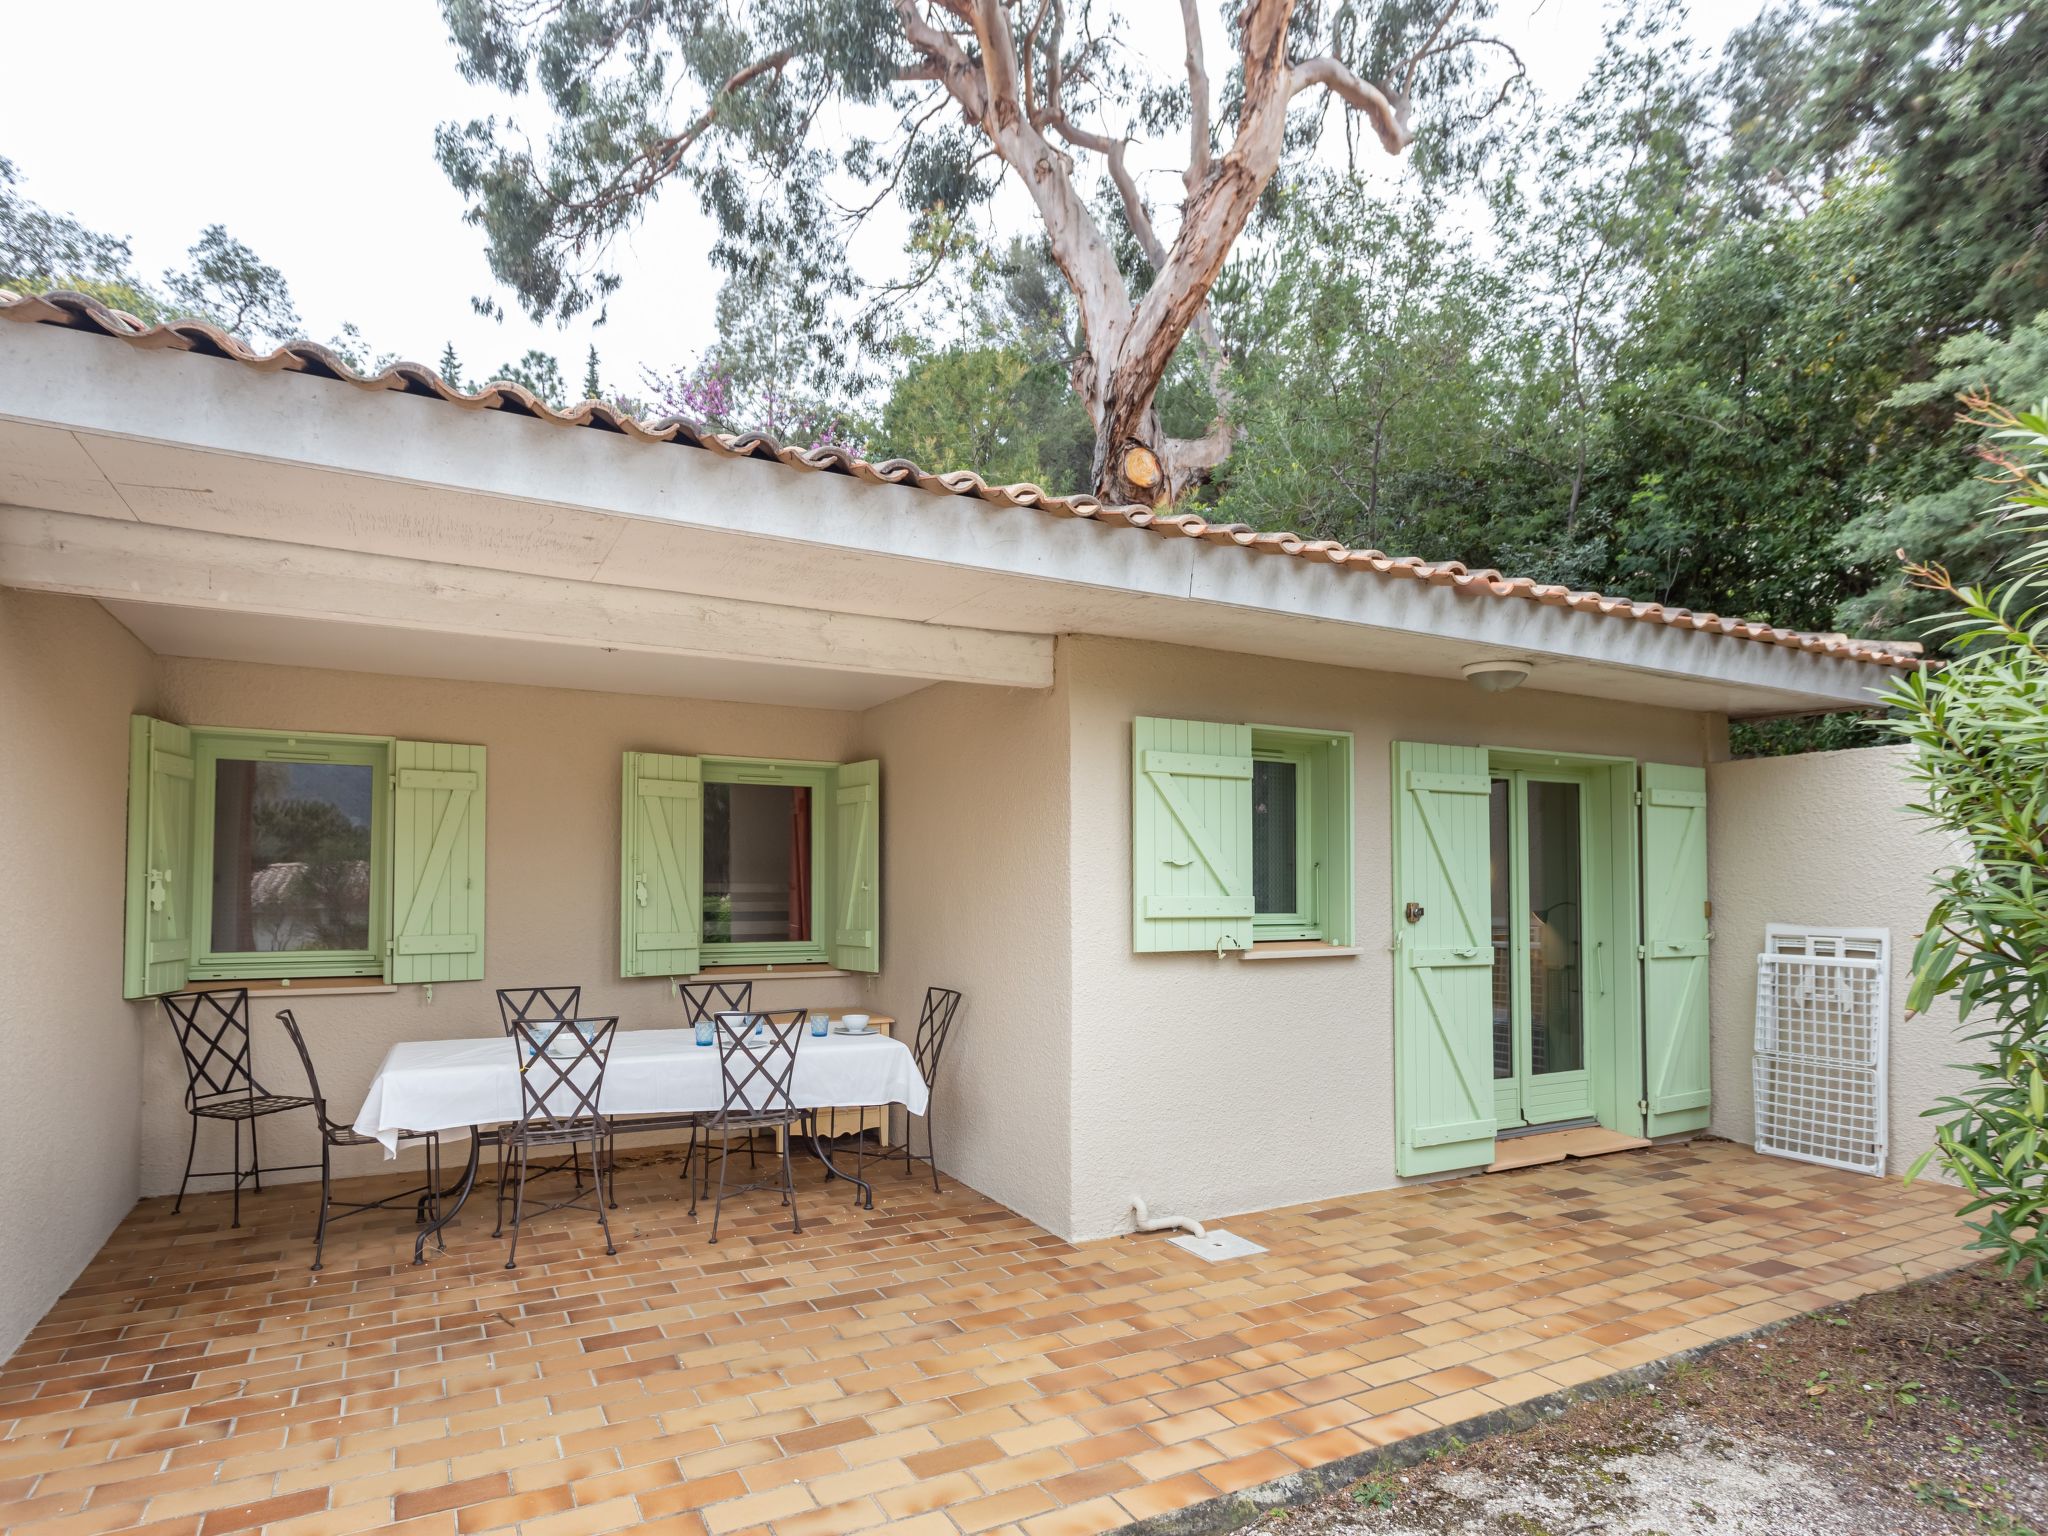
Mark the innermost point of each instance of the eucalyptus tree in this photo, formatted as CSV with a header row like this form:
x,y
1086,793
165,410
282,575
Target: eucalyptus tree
x,y
747,103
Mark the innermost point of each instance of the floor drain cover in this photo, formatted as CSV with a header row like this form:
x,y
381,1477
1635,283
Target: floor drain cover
x,y
1218,1246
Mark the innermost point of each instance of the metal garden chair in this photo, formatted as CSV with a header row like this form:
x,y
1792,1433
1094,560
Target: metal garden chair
x,y
757,1074
706,1000
335,1133
540,1005
213,1034
561,1084
934,1024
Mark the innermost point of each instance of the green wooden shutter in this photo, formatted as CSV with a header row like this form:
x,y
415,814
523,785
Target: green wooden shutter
x,y
1443,998
661,865
1191,835
437,863
158,948
856,883
1677,1058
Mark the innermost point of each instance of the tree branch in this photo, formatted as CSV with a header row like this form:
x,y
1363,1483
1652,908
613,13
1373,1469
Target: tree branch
x,y
1198,98
1388,114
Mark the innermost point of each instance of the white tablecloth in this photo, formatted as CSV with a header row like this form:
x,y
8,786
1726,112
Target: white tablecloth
x,y
450,1085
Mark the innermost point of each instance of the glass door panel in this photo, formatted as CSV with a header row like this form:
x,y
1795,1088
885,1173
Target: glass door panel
x,y
1537,838
1557,1004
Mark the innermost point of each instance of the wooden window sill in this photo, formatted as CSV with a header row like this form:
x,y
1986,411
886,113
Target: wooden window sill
x,y
800,970
302,986
1298,949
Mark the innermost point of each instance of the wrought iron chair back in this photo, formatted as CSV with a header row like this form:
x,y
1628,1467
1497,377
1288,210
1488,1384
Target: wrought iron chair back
x,y
220,1083
758,1072
934,1025
538,1005
328,1126
559,1093
702,999
213,1034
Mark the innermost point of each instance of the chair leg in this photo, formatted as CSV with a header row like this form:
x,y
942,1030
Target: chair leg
x,y
603,1176
255,1155
576,1163
518,1205
434,1187
498,1229
611,1172
689,1158
796,1221
326,1198
238,1173
718,1210
190,1147
931,1143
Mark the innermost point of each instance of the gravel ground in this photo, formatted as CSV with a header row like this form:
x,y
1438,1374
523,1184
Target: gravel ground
x,y
1922,1410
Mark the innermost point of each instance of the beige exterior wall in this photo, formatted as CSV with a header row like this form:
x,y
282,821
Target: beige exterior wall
x,y
975,896
69,678
1209,1086
552,834
1825,839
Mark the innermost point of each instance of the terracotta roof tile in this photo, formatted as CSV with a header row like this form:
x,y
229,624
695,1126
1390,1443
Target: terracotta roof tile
x,y
78,312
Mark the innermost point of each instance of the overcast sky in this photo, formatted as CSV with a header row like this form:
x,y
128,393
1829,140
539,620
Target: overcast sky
x,y
308,131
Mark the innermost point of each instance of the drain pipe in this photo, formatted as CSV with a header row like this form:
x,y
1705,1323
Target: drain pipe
x,y
1147,1223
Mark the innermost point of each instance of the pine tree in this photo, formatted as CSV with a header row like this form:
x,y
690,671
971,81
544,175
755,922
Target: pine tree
x,y
450,367
592,390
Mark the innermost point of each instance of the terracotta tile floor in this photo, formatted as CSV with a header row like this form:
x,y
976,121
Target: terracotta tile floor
x,y
939,1365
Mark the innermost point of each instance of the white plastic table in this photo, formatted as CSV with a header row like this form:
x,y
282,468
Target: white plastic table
x,y
462,1086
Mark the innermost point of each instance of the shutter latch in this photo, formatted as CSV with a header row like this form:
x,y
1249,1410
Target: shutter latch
x,y
159,880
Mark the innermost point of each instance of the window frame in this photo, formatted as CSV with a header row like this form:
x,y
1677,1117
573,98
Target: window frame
x,y
819,778
212,743
1304,920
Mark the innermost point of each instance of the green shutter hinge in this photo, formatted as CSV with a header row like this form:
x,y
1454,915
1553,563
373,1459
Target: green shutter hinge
x,y
1642,1106
1642,951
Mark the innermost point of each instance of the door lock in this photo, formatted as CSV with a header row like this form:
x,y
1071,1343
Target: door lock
x,y
1413,911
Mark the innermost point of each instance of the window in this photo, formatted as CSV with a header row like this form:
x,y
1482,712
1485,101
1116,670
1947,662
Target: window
x,y
1284,862
1240,835
258,855
728,861
287,835
764,865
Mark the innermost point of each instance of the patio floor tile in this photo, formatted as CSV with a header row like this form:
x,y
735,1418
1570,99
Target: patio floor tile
x,y
935,1367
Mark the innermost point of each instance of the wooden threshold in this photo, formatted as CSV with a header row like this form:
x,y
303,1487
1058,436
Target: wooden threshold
x,y
1556,1146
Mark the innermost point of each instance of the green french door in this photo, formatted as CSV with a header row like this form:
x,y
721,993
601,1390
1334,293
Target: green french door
x,y
1542,859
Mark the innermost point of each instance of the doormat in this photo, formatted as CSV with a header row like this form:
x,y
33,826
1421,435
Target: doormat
x,y
1556,1146
1217,1246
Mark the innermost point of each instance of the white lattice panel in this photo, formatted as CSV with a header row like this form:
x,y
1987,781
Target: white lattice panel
x,y
1822,1002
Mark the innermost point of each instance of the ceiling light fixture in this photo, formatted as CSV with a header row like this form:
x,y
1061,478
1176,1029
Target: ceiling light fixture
x,y
1497,675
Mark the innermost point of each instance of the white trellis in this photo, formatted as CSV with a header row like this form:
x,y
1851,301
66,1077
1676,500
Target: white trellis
x,y
1822,1005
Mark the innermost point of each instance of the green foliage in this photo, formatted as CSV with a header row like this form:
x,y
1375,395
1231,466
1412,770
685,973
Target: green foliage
x,y
1980,729
990,409
1749,413
1947,525
229,285
1950,95
538,373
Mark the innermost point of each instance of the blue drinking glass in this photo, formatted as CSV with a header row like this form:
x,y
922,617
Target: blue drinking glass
x,y
820,1022
707,1031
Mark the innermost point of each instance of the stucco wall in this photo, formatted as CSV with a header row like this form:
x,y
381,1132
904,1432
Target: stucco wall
x,y
1825,839
1214,1086
69,678
552,833
975,897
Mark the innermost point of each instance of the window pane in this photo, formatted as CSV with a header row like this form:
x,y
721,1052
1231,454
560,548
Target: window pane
x,y
1274,885
757,864
1501,855
291,856
1557,1029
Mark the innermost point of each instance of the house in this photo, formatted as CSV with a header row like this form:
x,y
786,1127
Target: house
x,y
1271,870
